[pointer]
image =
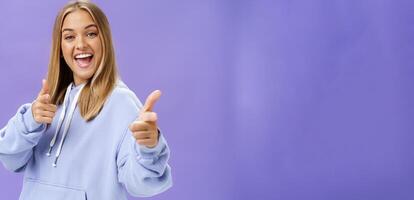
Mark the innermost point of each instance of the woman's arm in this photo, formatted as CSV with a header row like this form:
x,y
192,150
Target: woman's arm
x,y
143,171
142,164
18,138
24,130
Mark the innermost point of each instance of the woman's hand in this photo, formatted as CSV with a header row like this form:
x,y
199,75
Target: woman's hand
x,y
145,129
43,111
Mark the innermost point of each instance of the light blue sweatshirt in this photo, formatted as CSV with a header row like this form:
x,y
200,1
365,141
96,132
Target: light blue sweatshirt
x,y
99,160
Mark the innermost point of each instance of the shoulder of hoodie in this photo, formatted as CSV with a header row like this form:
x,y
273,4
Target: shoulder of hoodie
x,y
123,99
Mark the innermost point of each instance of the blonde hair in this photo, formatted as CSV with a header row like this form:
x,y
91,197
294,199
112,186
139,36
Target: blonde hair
x,y
59,76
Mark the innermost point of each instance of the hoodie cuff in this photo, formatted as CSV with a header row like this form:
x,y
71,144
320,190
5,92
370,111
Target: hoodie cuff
x,y
28,120
144,152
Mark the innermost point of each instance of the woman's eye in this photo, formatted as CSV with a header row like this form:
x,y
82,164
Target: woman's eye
x,y
91,34
69,37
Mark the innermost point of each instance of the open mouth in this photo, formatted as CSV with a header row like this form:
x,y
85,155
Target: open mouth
x,y
83,59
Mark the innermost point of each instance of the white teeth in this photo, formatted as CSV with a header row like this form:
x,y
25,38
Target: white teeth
x,y
83,55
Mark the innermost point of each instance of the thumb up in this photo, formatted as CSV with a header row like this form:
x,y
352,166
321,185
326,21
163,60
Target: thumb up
x,y
43,111
145,129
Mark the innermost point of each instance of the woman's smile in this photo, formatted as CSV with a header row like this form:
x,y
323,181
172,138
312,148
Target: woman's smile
x,y
83,60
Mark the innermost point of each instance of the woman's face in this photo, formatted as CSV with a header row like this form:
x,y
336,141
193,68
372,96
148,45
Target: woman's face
x,y
81,45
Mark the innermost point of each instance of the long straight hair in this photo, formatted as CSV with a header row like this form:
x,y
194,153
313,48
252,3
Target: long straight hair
x,y
59,76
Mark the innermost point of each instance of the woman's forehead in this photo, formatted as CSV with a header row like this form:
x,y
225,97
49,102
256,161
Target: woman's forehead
x,y
77,20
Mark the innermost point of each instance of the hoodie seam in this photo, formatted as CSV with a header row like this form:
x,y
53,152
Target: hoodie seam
x,y
118,148
55,185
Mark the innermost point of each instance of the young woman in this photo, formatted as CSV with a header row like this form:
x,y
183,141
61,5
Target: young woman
x,y
86,136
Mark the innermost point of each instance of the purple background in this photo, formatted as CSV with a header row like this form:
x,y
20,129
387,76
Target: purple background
x,y
281,99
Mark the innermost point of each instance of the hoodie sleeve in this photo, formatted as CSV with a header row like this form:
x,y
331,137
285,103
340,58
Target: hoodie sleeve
x,y
144,171
18,138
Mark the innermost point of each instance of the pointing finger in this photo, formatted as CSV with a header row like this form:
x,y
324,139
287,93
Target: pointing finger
x,y
148,116
139,126
45,98
45,87
151,99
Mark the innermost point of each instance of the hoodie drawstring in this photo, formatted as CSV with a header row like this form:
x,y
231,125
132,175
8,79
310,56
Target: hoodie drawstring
x,y
67,122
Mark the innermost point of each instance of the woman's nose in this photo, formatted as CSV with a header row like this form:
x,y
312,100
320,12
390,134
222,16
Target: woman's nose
x,y
80,43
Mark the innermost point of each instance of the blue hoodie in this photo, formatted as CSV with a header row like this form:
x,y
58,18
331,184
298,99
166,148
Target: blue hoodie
x,y
97,160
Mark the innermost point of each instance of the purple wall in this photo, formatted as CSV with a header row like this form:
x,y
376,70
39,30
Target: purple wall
x,y
279,99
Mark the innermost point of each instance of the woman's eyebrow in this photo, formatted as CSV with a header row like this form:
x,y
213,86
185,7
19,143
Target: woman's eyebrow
x,y
90,25
86,27
66,29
